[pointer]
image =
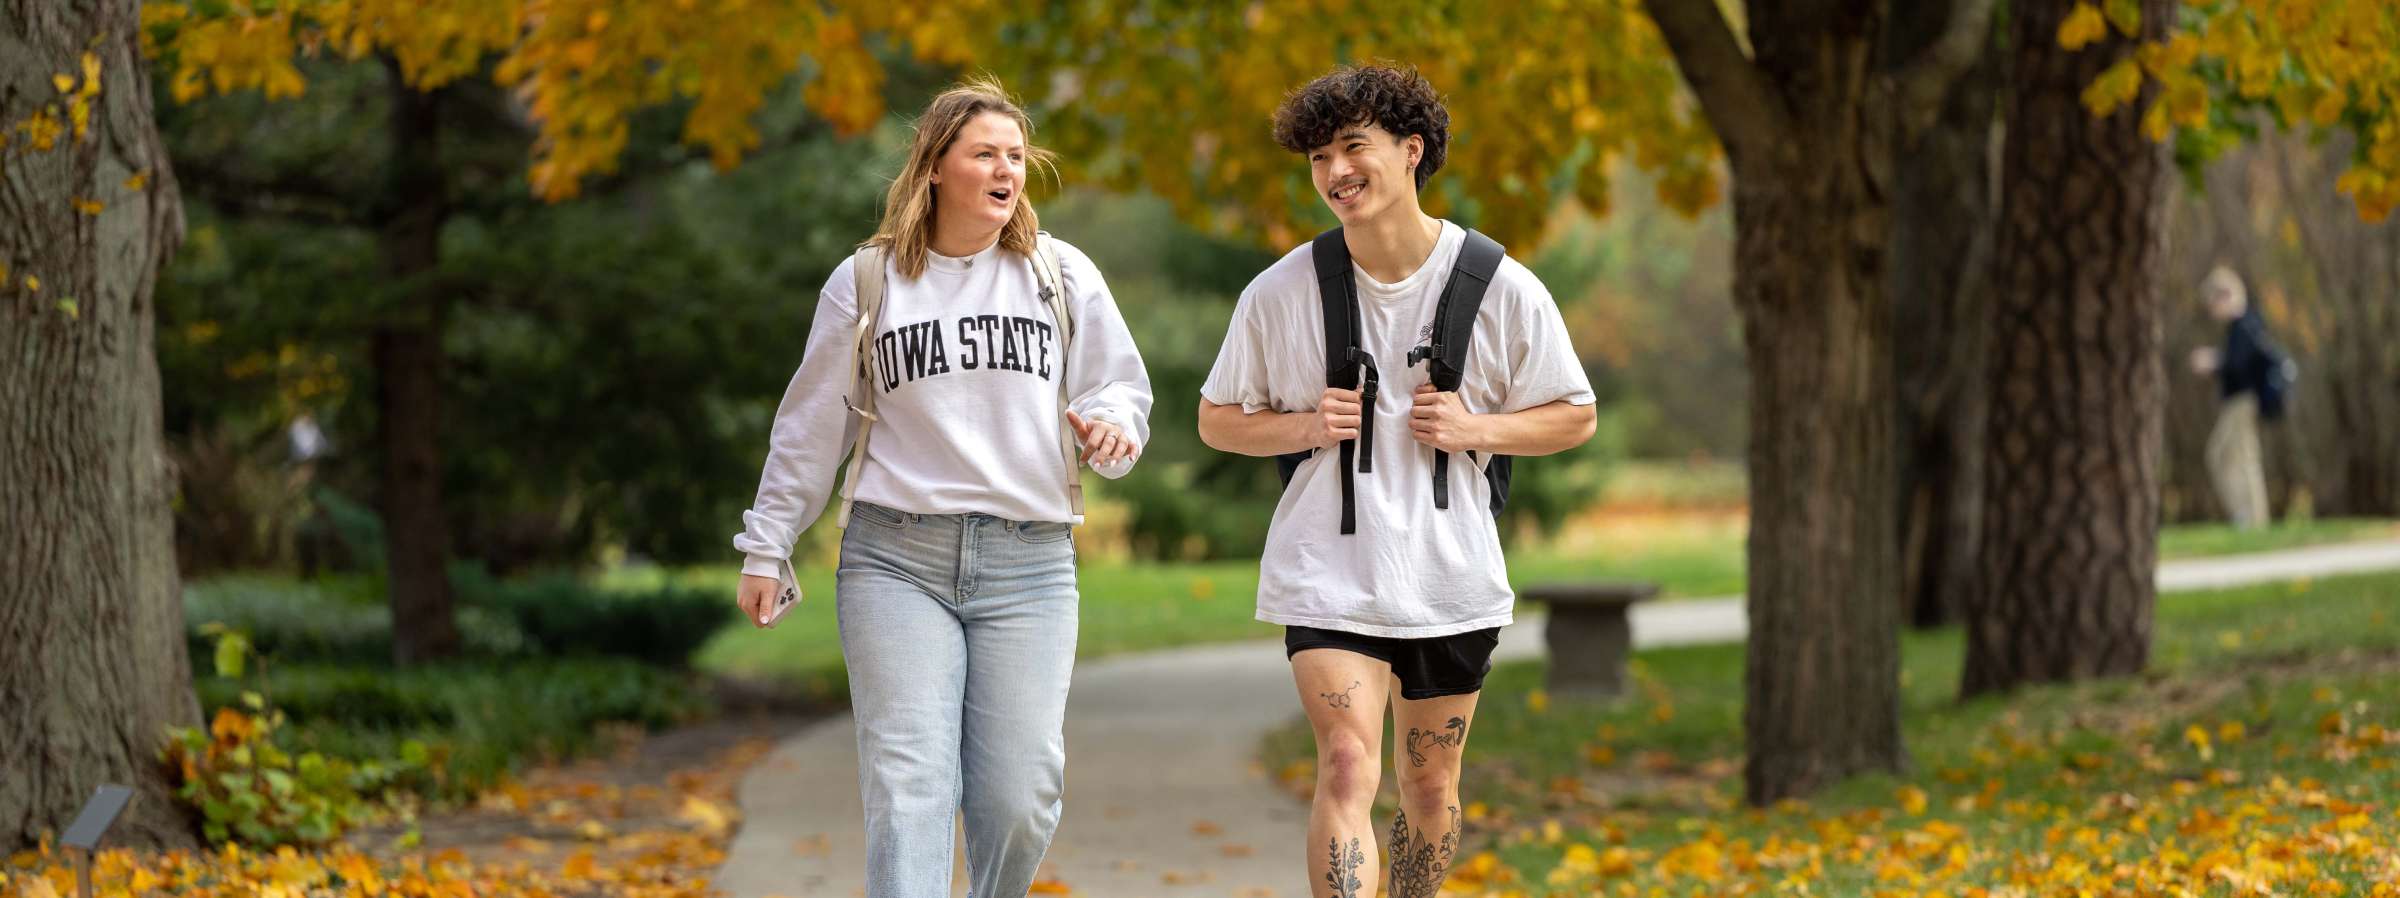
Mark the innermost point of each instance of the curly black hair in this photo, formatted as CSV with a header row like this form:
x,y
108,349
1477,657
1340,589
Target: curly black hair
x,y
1397,100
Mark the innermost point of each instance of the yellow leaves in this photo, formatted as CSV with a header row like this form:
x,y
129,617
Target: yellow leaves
x,y
2197,736
2084,25
1912,800
88,206
42,129
710,817
232,727
1538,701
2116,86
2328,109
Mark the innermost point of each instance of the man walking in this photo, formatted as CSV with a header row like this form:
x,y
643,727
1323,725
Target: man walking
x,y
1383,567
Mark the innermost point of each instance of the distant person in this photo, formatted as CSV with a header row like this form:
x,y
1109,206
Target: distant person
x,y
2252,379
993,355
1383,560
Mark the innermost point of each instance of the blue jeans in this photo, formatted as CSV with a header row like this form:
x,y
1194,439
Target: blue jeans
x,y
959,632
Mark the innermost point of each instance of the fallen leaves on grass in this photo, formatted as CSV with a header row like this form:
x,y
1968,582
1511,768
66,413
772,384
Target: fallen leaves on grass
x,y
2161,827
663,843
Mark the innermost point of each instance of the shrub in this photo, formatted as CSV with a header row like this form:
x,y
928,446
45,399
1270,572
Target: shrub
x,y
484,718
562,616
335,619
249,787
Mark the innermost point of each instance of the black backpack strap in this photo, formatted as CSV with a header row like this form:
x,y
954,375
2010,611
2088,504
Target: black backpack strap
x,y
1454,330
1337,293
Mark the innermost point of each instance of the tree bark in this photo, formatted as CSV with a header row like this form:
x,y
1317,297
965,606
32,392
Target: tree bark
x,y
1942,215
2078,393
92,661
407,350
1809,119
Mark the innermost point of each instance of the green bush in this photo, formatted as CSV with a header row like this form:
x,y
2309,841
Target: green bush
x,y
484,718
562,616
345,620
249,786
335,619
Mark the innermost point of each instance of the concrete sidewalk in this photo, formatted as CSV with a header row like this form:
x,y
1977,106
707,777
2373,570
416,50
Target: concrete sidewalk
x,y
1163,797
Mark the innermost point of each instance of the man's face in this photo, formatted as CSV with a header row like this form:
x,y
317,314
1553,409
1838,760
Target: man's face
x,y
1365,172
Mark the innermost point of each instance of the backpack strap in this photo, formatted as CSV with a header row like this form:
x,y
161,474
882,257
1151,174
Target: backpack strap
x,y
1346,366
1054,295
867,273
1454,331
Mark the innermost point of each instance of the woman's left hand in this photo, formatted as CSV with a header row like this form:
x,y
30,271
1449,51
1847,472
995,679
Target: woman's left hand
x,y
1103,442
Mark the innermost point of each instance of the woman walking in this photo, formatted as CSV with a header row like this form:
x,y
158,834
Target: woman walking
x,y
977,363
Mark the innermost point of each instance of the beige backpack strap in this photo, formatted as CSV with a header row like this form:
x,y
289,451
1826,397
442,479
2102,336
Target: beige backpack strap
x,y
867,272
1054,294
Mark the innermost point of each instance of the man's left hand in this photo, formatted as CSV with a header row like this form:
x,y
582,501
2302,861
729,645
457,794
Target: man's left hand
x,y
1440,420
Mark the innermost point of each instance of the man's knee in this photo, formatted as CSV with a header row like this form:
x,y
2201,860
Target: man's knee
x,y
1346,768
1429,785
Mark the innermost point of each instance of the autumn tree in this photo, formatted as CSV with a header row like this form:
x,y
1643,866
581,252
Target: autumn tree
x,y
578,72
92,665
2078,392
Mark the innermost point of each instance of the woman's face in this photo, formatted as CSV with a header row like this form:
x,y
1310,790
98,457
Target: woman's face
x,y
980,179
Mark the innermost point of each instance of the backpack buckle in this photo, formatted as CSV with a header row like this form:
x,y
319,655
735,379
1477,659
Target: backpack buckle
x,y
1425,352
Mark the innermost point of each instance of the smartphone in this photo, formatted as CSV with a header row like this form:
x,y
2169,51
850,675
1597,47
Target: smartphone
x,y
786,597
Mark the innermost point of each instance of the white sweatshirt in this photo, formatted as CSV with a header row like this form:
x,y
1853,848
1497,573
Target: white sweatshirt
x,y
966,373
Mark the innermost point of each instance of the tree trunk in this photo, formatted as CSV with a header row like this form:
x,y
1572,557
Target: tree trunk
x,y
1941,250
2078,393
1807,122
92,660
407,351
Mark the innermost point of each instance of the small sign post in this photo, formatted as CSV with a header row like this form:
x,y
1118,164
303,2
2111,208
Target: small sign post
x,y
90,825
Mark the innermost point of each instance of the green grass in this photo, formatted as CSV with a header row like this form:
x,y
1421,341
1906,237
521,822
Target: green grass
x,y
1136,607
1655,778
1126,608
2203,540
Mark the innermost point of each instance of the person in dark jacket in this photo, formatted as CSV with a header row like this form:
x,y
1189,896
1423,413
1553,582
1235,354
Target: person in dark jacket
x,y
2248,370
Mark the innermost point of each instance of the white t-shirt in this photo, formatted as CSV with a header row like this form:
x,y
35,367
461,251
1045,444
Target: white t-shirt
x,y
967,369
1411,570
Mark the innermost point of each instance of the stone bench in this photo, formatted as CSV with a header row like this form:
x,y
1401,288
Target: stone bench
x,y
1589,634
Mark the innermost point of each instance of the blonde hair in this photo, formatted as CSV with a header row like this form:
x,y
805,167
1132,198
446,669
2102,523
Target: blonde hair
x,y
2223,276
906,232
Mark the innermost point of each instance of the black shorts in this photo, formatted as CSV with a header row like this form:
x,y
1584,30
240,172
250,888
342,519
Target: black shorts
x,y
1427,668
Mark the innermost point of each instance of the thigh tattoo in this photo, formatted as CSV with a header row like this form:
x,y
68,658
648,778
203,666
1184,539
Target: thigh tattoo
x,y
1451,735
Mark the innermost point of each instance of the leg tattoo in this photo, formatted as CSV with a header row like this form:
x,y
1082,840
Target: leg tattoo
x,y
1420,864
1451,735
1339,699
1342,871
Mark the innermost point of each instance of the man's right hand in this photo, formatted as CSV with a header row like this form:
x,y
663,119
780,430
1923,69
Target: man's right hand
x,y
1336,419
756,597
